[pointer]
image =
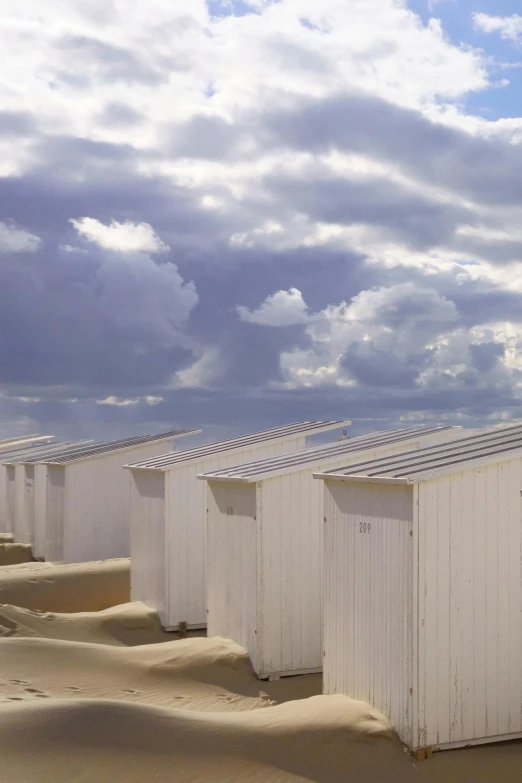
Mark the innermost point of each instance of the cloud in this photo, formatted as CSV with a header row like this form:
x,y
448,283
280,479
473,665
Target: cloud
x,y
127,237
317,174
509,27
17,240
124,403
284,308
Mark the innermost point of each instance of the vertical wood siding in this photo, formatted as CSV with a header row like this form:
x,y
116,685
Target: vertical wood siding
x,y
97,518
55,514
232,536
148,539
368,607
469,615
186,528
10,497
24,504
40,504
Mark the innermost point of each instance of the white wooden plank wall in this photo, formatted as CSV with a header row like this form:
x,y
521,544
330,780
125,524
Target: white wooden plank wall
x,y
40,505
470,629
368,603
290,600
10,498
20,528
97,522
232,565
186,528
24,504
55,514
148,539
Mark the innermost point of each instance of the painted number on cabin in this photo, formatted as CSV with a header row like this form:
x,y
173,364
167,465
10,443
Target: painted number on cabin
x,y
364,527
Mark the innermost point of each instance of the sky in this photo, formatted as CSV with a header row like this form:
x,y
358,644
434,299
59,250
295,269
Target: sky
x,y
233,215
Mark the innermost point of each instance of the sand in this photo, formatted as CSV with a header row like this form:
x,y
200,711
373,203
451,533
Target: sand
x,y
80,587
6,538
100,696
13,554
126,625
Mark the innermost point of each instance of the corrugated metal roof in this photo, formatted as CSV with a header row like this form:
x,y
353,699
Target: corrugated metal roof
x,y
28,440
98,449
67,447
168,461
288,463
449,457
26,451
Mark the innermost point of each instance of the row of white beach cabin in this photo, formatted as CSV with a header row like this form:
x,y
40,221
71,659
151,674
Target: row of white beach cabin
x,y
7,485
79,506
168,520
27,489
423,589
265,530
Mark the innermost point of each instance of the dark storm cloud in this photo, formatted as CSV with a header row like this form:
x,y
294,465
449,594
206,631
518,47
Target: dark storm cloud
x,y
488,170
486,355
406,215
205,137
105,62
373,366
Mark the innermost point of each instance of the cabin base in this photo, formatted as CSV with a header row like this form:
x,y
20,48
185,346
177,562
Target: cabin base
x,y
271,676
186,627
471,742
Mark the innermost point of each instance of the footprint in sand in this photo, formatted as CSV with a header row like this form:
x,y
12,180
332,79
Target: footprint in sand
x,y
19,682
72,688
130,692
14,698
179,698
225,697
32,690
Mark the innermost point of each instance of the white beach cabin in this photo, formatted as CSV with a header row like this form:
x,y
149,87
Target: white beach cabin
x,y
88,498
168,521
264,560
30,485
7,480
423,589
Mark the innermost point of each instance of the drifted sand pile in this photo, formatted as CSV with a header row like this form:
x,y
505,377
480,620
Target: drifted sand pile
x,y
127,625
79,587
315,739
13,554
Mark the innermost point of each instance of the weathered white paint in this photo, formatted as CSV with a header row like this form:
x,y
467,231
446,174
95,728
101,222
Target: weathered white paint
x,y
178,541
229,587
88,505
40,506
289,544
24,504
461,585
10,498
368,608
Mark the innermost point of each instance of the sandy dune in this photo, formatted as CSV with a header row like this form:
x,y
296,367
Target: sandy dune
x,y
193,674
104,741
80,587
126,625
12,554
189,711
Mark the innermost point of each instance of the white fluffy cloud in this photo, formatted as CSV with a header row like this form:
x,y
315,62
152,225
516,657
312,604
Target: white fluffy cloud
x,y
124,402
17,240
124,237
509,27
401,336
284,308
